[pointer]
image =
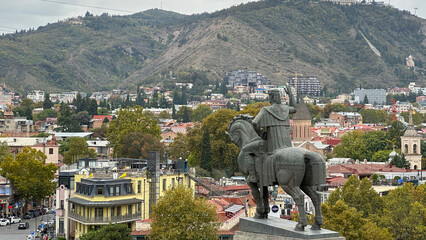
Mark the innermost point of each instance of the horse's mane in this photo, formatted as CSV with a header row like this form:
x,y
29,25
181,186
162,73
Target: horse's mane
x,y
246,117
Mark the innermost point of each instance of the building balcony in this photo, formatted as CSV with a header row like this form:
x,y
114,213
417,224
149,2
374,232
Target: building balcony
x,y
105,220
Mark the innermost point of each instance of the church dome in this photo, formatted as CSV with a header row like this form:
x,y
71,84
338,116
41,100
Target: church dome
x,y
393,154
410,132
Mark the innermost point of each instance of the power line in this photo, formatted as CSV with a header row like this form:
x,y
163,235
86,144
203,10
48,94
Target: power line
x,y
8,28
81,5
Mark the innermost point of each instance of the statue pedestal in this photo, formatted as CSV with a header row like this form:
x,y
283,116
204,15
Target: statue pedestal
x,y
279,229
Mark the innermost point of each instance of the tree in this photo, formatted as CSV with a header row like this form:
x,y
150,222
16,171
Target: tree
x,y
130,120
350,223
184,114
66,122
381,156
253,108
75,148
352,146
164,114
365,100
47,103
336,107
400,161
83,117
92,107
32,179
395,131
46,113
138,144
110,232
206,152
405,212
201,112
4,151
359,195
178,215
224,151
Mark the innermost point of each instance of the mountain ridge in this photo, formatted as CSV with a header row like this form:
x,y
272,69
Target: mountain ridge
x,y
273,37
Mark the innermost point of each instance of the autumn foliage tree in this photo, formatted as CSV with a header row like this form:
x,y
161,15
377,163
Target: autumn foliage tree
x,y
130,120
178,215
32,179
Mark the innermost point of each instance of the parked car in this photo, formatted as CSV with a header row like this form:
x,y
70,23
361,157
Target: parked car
x,y
34,212
4,222
14,219
27,216
23,225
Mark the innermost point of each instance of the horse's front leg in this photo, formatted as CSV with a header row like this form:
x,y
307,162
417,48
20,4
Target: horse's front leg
x,y
256,194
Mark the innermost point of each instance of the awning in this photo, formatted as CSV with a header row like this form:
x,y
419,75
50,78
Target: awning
x,y
88,203
234,208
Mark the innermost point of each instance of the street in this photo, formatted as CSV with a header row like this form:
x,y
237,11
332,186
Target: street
x,y
11,232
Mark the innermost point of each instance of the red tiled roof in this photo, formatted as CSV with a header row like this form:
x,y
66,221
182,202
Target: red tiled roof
x,y
140,233
336,181
333,141
101,117
236,187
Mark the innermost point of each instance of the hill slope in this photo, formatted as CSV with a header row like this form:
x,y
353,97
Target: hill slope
x,y
272,37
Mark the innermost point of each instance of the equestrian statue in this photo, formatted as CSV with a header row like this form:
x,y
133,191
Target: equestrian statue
x,y
267,158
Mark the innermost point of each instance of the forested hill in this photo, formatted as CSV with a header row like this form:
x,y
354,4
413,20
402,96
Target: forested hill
x,y
273,37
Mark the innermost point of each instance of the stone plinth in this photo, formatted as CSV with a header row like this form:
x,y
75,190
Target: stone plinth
x,y
279,229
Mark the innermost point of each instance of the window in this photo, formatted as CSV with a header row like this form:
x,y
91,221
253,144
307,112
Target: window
x,y
173,183
406,148
99,190
62,205
118,211
129,209
164,184
415,148
139,186
61,225
117,190
111,190
50,150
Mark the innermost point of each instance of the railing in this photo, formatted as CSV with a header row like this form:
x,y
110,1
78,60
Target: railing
x,y
106,220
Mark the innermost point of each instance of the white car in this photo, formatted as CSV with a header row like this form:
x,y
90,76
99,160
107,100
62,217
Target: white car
x,y
15,220
4,222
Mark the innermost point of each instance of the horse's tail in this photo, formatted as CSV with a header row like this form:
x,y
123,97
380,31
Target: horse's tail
x,y
315,171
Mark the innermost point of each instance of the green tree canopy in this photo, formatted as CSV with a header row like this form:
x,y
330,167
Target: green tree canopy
x,y
405,212
47,103
164,114
110,232
138,144
400,161
178,215
130,120
75,148
253,108
206,152
66,121
4,151
352,146
32,179
201,112
46,113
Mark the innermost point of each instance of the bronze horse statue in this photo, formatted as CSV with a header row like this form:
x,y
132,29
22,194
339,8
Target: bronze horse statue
x,y
294,169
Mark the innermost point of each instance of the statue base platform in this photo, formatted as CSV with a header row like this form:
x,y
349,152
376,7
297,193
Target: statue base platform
x,y
279,229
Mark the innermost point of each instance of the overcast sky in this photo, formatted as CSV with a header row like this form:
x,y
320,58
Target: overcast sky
x,y
25,14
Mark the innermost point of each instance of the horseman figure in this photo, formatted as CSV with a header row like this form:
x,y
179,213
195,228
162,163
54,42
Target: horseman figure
x,y
272,124
267,158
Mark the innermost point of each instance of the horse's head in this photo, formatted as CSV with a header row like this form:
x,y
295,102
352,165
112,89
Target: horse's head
x,y
241,130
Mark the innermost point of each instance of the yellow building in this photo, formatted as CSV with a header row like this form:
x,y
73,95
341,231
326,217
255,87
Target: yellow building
x,y
104,199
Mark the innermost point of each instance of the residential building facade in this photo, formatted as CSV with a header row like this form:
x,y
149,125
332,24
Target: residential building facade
x,y
305,86
374,96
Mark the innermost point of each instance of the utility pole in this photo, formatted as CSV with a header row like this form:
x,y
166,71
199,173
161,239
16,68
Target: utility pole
x,y
415,10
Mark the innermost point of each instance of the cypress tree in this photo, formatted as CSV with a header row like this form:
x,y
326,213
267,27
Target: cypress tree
x,y
365,99
173,112
47,104
206,152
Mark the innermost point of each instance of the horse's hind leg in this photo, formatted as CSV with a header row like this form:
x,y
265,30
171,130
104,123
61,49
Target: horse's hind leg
x,y
258,199
265,198
315,196
299,198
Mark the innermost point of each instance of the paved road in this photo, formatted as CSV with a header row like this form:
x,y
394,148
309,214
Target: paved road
x,y
11,232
